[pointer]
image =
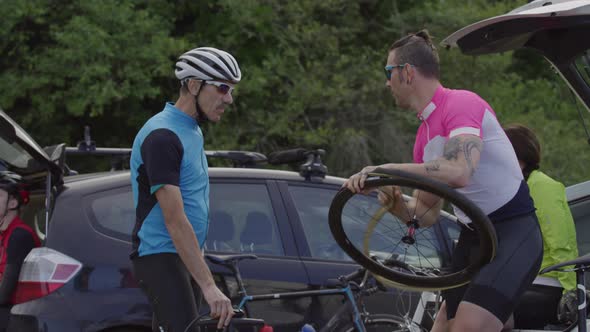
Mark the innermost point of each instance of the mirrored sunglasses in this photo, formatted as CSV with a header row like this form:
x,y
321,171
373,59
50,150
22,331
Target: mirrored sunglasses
x,y
390,68
222,87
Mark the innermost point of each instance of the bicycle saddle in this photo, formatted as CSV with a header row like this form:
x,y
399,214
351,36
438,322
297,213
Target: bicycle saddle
x,y
582,262
229,259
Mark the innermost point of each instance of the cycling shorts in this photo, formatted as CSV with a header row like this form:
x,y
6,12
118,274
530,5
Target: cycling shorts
x,y
498,285
172,292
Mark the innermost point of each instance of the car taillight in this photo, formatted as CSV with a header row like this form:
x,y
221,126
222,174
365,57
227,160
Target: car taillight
x,y
266,328
44,271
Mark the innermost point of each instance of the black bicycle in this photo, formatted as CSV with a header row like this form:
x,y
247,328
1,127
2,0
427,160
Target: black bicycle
x,y
403,238
351,316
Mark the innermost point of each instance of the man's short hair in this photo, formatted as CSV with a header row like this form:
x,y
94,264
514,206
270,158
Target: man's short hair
x,y
417,49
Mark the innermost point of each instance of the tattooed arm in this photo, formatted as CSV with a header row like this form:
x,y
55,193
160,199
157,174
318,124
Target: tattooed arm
x,y
459,161
456,166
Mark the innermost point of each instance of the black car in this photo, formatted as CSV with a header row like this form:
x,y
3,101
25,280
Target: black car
x,y
81,279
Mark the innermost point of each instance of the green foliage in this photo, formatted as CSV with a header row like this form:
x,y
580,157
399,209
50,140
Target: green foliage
x,y
312,74
548,107
79,60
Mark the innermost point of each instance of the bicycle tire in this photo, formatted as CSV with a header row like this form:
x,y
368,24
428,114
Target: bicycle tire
x,y
479,222
384,323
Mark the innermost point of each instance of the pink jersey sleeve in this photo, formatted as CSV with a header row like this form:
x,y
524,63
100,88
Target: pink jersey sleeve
x,y
464,114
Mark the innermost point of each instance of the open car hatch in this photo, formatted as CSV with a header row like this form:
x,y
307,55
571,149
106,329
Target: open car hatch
x,y
21,154
559,30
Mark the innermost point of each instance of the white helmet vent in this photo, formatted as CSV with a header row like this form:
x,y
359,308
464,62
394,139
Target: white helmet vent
x,y
207,63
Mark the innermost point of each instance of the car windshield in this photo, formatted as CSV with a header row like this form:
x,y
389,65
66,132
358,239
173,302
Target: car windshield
x,y
582,64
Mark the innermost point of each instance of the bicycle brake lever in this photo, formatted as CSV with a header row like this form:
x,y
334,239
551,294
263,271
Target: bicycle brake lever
x,y
239,313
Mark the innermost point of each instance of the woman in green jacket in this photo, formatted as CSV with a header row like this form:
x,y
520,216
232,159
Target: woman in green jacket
x,y
557,228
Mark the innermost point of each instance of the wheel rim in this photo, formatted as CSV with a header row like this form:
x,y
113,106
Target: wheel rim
x,y
424,277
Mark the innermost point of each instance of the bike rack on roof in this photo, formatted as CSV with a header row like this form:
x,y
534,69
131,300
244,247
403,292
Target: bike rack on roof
x,y
312,167
245,159
121,155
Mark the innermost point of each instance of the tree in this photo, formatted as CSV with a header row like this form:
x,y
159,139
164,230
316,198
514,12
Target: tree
x,y
312,74
71,62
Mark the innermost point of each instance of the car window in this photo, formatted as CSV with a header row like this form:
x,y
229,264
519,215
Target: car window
x,y
242,220
451,231
386,238
582,64
113,212
581,212
313,205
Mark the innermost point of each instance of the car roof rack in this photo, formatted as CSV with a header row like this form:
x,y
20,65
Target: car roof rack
x,y
311,169
239,158
120,155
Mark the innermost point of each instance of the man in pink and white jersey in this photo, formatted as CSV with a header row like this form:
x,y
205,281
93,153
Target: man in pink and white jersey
x,y
461,143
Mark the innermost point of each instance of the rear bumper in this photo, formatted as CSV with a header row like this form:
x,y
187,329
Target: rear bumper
x,y
26,323
65,311
23,323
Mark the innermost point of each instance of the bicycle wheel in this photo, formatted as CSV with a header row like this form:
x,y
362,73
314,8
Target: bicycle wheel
x,y
417,309
396,247
385,323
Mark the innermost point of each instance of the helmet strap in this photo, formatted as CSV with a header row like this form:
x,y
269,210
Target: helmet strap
x,y
200,115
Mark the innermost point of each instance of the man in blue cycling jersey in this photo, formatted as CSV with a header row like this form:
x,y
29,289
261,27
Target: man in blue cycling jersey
x,y
170,181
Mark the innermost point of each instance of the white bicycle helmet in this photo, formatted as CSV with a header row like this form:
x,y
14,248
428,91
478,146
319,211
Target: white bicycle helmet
x,y
208,63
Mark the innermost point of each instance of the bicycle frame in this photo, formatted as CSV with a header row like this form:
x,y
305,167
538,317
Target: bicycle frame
x,y
346,291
